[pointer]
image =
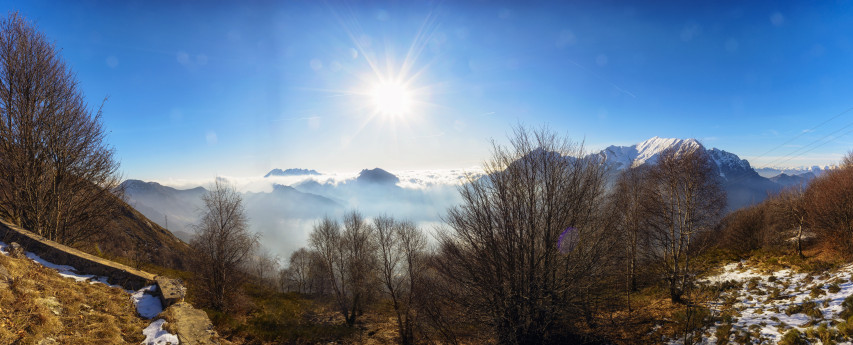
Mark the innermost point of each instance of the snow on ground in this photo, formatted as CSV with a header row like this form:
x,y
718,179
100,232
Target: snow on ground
x,y
64,270
147,305
155,335
759,300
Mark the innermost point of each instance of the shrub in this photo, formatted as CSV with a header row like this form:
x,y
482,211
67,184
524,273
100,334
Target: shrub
x,y
697,318
722,333
816,292
846,308
834,288
793,337
809,308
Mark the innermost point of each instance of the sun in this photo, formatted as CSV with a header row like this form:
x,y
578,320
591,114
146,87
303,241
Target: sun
x,y
391,98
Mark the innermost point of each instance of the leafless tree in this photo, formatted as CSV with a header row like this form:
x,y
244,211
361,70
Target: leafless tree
x,y
264,266
631,219
687,199
349,257
401,254
790,207
501,251
222,246
829,206
57,174
298,269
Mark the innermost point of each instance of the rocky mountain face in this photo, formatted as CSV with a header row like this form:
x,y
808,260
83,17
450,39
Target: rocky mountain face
x,y
744,186
292,172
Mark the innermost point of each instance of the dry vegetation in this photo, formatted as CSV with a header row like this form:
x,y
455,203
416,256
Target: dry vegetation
x,y
39,304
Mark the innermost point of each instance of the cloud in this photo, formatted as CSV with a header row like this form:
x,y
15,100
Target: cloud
x,y
285,217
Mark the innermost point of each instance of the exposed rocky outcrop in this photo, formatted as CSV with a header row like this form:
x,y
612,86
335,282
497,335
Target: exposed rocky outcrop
x,y
192,325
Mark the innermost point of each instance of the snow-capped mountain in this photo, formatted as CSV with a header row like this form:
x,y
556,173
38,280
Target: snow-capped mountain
x,y
623,157
742,183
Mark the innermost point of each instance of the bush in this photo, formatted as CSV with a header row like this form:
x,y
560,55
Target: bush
x,y
809,308
846,308
834,288
698,317
829,201
816,292
722,333
793,337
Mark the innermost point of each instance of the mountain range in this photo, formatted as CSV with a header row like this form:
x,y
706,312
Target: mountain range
x,y
286,213
743,184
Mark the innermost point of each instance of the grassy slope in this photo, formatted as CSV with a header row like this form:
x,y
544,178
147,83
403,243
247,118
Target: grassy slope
x,y
40,304
138,241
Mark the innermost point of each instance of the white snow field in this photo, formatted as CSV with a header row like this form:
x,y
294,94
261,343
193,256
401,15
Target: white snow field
x,y
767,304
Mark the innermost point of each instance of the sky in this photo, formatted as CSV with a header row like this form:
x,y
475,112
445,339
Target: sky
x,y
203,88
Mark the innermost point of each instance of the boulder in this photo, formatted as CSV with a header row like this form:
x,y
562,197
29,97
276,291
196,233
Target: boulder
x,y
191,325
171,290
16,251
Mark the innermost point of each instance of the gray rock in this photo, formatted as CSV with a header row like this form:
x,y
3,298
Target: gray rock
x,y
5,278
16,251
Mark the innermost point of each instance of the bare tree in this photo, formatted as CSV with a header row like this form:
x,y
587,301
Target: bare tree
x,y
298,270
631,219
829,204
687,199
401,254
501,253
222,245
349,257
57,175
790,206
265,267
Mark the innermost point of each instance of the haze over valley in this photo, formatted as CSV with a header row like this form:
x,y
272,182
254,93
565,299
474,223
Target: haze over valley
x,y
285,203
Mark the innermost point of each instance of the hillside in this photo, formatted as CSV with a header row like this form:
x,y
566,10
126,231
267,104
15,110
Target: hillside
x,y
137,239
161,204
38,306
767,301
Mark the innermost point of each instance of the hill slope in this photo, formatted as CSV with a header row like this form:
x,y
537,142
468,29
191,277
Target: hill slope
x,y
40,305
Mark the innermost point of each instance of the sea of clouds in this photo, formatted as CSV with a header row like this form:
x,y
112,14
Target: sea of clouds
x,y
285,220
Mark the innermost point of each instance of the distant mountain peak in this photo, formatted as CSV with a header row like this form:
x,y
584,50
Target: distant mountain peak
x,y
291,172
623,157
378,176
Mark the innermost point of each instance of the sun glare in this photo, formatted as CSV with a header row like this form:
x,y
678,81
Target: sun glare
x,y
391,99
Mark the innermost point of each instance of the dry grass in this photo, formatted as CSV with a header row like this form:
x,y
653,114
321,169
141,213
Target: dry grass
x,y
40,304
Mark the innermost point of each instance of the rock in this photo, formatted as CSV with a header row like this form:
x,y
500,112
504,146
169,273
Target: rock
x,y
191,325
171,290
5,278
16,251
47,341
51,303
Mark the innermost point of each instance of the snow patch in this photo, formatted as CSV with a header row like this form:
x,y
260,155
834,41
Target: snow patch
x,y
155,335
147,305
765,305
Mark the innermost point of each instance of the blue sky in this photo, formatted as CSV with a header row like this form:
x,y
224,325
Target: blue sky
x,y
200,88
